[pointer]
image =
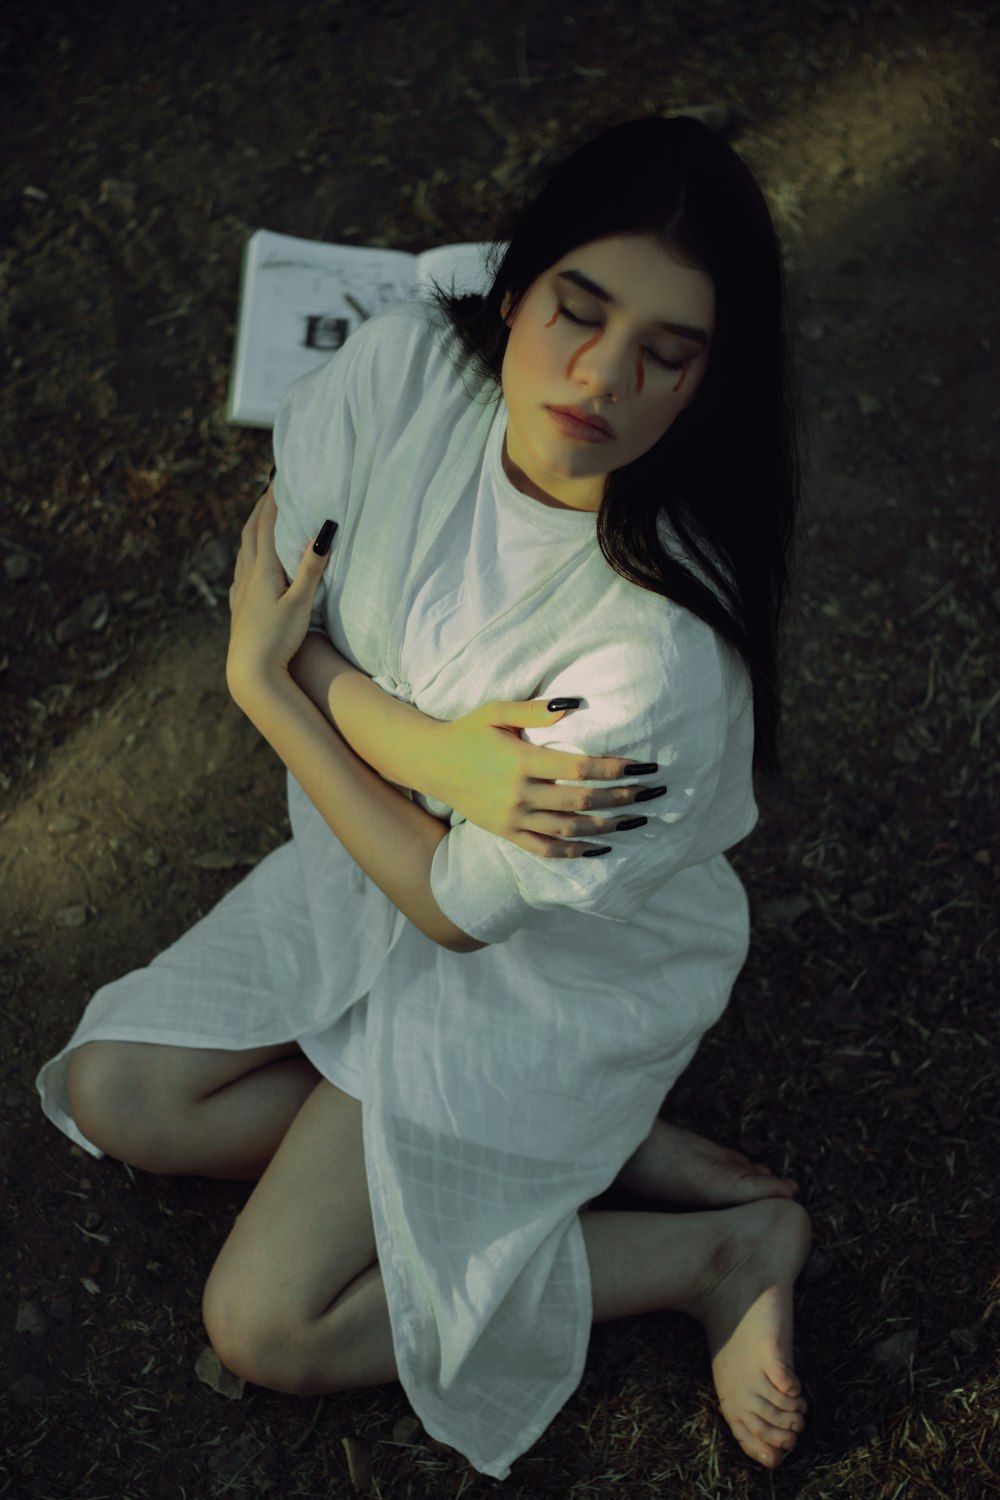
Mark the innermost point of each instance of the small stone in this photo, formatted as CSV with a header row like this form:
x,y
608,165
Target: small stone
x,y
904,750
983,857
216,859
26,1390
92,1219
966,1340
31,1319
215,560
212,1372
153,857
61,1309
897,1350
817,1266
94,612
65,823
868,405
71,916
17,566
784,908
718,115
406,1430
90,1285
119,193
861,902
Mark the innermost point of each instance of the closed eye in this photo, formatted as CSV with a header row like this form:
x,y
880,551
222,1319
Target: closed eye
x,y
668,364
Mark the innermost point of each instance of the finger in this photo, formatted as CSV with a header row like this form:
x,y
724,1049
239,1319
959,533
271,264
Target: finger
x,y
564,826
548,796
546,764
553,848
527,713
313,562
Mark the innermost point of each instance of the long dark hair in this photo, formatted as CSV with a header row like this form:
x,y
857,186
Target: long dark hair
x,y
725,476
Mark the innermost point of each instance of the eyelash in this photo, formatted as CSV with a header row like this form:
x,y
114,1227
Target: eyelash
x,y
582,323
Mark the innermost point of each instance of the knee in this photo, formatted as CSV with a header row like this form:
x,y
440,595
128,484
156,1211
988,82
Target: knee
x,y
259,1343
111,1101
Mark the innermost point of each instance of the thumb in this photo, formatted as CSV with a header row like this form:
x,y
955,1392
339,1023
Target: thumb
x,y
532,713
314,560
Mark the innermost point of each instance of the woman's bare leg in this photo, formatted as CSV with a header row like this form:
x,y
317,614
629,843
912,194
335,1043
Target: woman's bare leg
x,y
684,1168
198,1111
296,1300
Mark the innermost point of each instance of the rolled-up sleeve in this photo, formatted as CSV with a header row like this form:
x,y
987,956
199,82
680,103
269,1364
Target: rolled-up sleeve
x,y
681,703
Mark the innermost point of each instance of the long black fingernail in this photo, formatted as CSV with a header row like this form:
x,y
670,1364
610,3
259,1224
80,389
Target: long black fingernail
x,y
648,793
557,704
589,853
270,481
640,770
630,823
327,532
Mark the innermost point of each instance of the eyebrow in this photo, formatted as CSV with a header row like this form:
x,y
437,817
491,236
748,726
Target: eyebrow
x,y
584,282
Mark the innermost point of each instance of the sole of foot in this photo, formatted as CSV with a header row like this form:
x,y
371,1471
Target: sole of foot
x,y
745,1307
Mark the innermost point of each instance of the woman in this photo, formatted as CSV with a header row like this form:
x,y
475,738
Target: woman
x,y
437,1024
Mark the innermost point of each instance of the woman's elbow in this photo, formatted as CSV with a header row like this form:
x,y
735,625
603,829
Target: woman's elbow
x,y
463,944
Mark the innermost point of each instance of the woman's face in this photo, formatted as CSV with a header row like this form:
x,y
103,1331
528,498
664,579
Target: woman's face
x,y
617,330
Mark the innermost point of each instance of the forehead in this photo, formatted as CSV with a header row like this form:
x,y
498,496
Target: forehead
x,y
644,279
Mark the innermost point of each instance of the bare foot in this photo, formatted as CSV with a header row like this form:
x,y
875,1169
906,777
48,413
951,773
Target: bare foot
x,y
745,1307
681,1167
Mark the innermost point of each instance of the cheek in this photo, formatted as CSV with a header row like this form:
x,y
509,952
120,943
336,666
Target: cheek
x,y
529,353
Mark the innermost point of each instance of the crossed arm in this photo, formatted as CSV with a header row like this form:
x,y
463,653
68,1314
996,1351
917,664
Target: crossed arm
x,y
345,740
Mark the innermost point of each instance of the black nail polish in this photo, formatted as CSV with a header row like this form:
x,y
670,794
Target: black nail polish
x,y
640,770
274,470
630,823
327,532
559,703
589,853
648,793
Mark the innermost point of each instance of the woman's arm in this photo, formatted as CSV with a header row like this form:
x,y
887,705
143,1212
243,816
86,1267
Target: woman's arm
x,y
391,838
477,764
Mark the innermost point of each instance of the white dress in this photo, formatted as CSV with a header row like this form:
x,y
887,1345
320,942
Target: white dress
x,y
502,1089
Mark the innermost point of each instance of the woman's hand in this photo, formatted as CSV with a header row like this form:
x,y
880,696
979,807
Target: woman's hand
x,y
507,785
270,617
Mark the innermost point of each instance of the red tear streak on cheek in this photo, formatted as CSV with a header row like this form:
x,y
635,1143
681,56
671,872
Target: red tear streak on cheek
x,y
680,380
640,375
581,351
553,318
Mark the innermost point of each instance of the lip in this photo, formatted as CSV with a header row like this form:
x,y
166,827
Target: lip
x,y
579,424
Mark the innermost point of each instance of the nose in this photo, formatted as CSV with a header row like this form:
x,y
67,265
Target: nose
x,y
607,368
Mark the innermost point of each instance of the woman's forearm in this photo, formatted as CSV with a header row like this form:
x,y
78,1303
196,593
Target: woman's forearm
x,y
392,737
391,838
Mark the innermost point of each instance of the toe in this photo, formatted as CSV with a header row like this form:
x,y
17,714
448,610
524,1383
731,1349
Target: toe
x,y
786,1388
772,1436
762,1453
777,1416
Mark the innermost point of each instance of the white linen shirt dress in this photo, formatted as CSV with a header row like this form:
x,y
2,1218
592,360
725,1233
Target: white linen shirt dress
x,y
502,1089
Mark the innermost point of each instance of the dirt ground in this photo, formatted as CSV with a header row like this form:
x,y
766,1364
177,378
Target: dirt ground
x,y
144,144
